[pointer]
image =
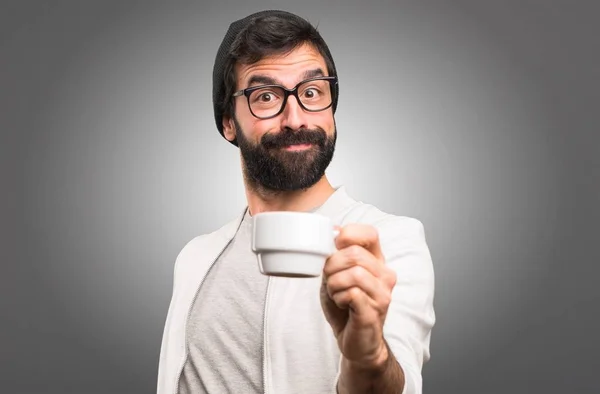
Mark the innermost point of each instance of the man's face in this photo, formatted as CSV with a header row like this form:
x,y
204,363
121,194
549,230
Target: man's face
x,y
292,150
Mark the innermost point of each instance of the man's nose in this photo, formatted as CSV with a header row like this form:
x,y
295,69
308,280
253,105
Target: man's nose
x,y
294,116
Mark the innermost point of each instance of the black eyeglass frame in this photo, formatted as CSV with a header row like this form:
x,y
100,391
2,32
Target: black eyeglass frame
x,y
333,81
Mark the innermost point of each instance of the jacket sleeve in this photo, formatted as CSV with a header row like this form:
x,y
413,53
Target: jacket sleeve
x,y
411,315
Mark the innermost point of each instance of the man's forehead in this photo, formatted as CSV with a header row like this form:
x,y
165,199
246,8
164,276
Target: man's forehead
x,y
303,62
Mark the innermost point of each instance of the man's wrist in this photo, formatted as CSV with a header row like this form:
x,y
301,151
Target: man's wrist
x,y
371,366
383,374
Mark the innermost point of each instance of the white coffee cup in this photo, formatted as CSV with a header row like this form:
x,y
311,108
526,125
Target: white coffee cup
x,y
292,244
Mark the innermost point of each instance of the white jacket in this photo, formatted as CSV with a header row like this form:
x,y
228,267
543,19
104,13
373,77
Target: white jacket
x,y
293,320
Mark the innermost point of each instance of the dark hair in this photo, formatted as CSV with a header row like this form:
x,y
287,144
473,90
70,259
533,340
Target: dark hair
x,y
265,34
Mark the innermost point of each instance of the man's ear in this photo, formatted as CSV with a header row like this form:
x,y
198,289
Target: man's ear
x,y
228,128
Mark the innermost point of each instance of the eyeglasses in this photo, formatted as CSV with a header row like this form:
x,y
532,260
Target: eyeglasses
x,y
268,101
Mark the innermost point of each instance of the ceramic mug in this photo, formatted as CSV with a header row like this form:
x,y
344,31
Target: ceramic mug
x,y
292,244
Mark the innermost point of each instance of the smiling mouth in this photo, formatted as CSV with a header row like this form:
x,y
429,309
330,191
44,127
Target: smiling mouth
x,y
297,147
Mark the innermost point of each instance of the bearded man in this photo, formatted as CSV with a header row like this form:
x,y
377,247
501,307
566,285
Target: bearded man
x,y
362,326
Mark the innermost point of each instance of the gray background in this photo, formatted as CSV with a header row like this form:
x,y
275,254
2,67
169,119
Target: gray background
x,y
480,118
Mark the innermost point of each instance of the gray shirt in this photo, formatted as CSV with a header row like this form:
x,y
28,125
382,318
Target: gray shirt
x,y
225,329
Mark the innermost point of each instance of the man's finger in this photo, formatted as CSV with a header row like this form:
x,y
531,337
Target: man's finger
x,y
354,299
363,235
349,257
359,277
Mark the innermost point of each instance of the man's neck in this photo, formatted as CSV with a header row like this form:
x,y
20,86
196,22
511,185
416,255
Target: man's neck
x,y
260,200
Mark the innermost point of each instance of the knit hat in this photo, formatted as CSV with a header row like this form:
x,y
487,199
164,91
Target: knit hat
x,y
218,91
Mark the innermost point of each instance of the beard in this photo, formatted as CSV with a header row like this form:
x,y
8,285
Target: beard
x,y
269,166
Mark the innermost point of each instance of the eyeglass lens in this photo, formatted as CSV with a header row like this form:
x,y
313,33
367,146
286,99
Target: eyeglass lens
x,y
314,95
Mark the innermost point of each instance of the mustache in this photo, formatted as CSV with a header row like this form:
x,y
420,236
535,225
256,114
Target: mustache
x,y
289,137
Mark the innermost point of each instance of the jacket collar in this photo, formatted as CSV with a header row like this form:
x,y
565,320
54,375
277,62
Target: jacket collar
x,y
337,202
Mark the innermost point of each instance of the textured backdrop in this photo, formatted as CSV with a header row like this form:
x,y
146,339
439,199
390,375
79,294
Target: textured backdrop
x,y
478,118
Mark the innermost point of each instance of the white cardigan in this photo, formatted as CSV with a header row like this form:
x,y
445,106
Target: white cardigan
x,y
300,351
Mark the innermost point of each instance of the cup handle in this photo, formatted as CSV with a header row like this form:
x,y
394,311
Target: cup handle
x,y
336,232
253,244
260,264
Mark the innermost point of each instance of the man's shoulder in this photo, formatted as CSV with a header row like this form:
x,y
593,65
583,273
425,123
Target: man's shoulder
x,y
347,208
384,221
203,242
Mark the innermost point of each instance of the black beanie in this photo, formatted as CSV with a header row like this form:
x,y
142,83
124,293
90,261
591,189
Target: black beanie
x,y
218,92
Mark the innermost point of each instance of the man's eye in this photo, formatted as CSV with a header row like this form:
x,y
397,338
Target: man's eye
x,y
311,93
265,97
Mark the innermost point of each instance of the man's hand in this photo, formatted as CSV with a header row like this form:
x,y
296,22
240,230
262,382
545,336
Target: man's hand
x,y
355,294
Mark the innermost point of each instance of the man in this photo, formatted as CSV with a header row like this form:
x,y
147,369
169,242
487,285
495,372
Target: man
x,y
364,325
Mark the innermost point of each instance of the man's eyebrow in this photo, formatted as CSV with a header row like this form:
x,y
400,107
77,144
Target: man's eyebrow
x,y
317,72
262,79
265,79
